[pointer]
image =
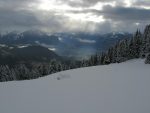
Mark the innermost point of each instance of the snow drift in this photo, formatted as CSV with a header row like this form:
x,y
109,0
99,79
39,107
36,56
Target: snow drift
x,y
114,88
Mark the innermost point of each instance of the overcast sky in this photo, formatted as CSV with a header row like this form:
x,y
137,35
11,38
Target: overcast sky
x,y
100,16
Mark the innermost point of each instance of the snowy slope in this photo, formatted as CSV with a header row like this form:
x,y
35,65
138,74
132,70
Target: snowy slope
x,y
115,88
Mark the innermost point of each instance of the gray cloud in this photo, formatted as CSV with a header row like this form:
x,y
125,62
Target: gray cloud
x,y
119,13
126,18
17,4
85,3
17,19
125,14
24,14
142,3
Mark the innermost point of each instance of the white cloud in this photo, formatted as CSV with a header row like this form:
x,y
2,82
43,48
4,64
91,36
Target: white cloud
x,y
86,41
52,49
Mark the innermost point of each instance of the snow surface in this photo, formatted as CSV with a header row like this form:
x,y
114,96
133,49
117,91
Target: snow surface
x,y
115,88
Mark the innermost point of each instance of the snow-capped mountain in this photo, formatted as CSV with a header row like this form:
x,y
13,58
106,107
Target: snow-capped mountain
x,y
65,44
114,88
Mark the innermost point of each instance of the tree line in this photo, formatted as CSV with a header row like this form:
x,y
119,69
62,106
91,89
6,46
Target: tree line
x,y
138,46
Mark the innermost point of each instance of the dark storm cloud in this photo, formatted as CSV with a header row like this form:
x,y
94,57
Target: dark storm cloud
x,y
125,14
22,18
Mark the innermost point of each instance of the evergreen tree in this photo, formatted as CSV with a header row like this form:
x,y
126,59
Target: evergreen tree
x,y
6,74
23,72
147,61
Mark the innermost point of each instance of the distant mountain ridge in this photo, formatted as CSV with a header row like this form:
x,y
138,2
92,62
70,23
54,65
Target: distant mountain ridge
x,y
65,44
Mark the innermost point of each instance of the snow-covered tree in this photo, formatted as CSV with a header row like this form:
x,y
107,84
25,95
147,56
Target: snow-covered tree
x,y
6,74
147,61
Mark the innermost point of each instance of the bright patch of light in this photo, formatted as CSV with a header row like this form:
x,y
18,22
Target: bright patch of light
x,y
3,45
79,16
145,7
99,5
55,5
137,24
85,17
52,49
60,39
22,46
86,41
46,4
128,3
64,10
95,18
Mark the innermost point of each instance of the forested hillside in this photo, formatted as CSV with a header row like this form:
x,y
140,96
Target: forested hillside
x,y
136,47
